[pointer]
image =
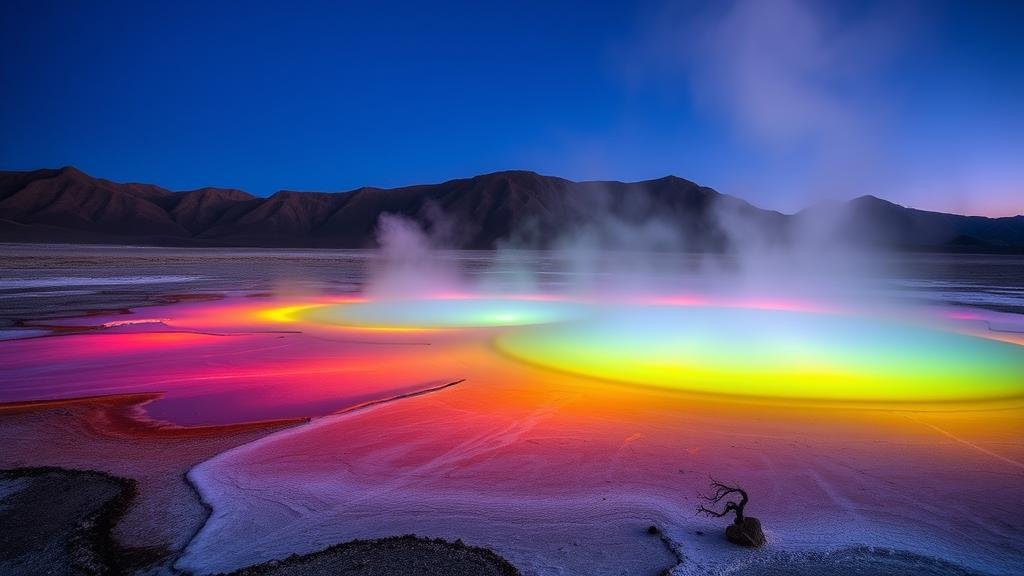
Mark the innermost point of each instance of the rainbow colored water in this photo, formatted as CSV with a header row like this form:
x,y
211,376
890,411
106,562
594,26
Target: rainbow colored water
x,y
267,357
775,353
743,348
607,412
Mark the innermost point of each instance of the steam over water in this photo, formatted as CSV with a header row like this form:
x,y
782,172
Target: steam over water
x,y
578,393
40,281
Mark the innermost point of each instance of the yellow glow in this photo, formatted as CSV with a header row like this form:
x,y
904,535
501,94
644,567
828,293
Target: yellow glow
x,y
285,314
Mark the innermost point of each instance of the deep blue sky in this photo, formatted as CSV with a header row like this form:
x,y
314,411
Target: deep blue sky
x,y
782,103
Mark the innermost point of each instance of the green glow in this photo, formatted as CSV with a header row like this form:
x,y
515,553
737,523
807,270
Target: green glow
x,y
446,313
775,354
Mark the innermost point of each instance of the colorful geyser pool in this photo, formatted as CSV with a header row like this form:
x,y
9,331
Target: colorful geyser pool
x,y
440,313
735,349
773,353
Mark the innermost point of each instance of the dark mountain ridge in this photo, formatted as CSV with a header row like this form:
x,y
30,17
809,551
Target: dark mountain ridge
x,y
517,207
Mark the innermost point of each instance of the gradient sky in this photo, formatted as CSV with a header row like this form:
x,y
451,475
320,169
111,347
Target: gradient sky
x,y
783,103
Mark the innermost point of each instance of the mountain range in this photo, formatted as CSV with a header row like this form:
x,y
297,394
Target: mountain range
x,y
513,207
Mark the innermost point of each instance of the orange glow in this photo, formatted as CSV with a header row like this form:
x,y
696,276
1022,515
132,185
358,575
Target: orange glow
x,y
232,348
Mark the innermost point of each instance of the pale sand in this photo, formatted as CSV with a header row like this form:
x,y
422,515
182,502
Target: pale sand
x,y
557,487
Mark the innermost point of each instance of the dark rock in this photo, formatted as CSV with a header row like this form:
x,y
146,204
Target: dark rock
x,y
533,210
396,556
746,533
67,205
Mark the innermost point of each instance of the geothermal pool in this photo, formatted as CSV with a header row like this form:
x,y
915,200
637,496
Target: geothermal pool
x,y
745,347
272,358
495,416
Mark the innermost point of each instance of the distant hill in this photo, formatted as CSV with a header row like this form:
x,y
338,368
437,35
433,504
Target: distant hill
x,y
518,207
873,220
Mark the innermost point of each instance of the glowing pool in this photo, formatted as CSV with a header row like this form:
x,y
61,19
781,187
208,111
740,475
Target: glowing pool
x,y
773,353
732,348
432,313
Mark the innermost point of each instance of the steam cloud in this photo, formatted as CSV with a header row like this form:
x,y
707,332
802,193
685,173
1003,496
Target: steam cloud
x,y
792,78
797,80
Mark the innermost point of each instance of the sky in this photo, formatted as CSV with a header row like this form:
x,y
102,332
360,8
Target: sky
x,y
784,103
